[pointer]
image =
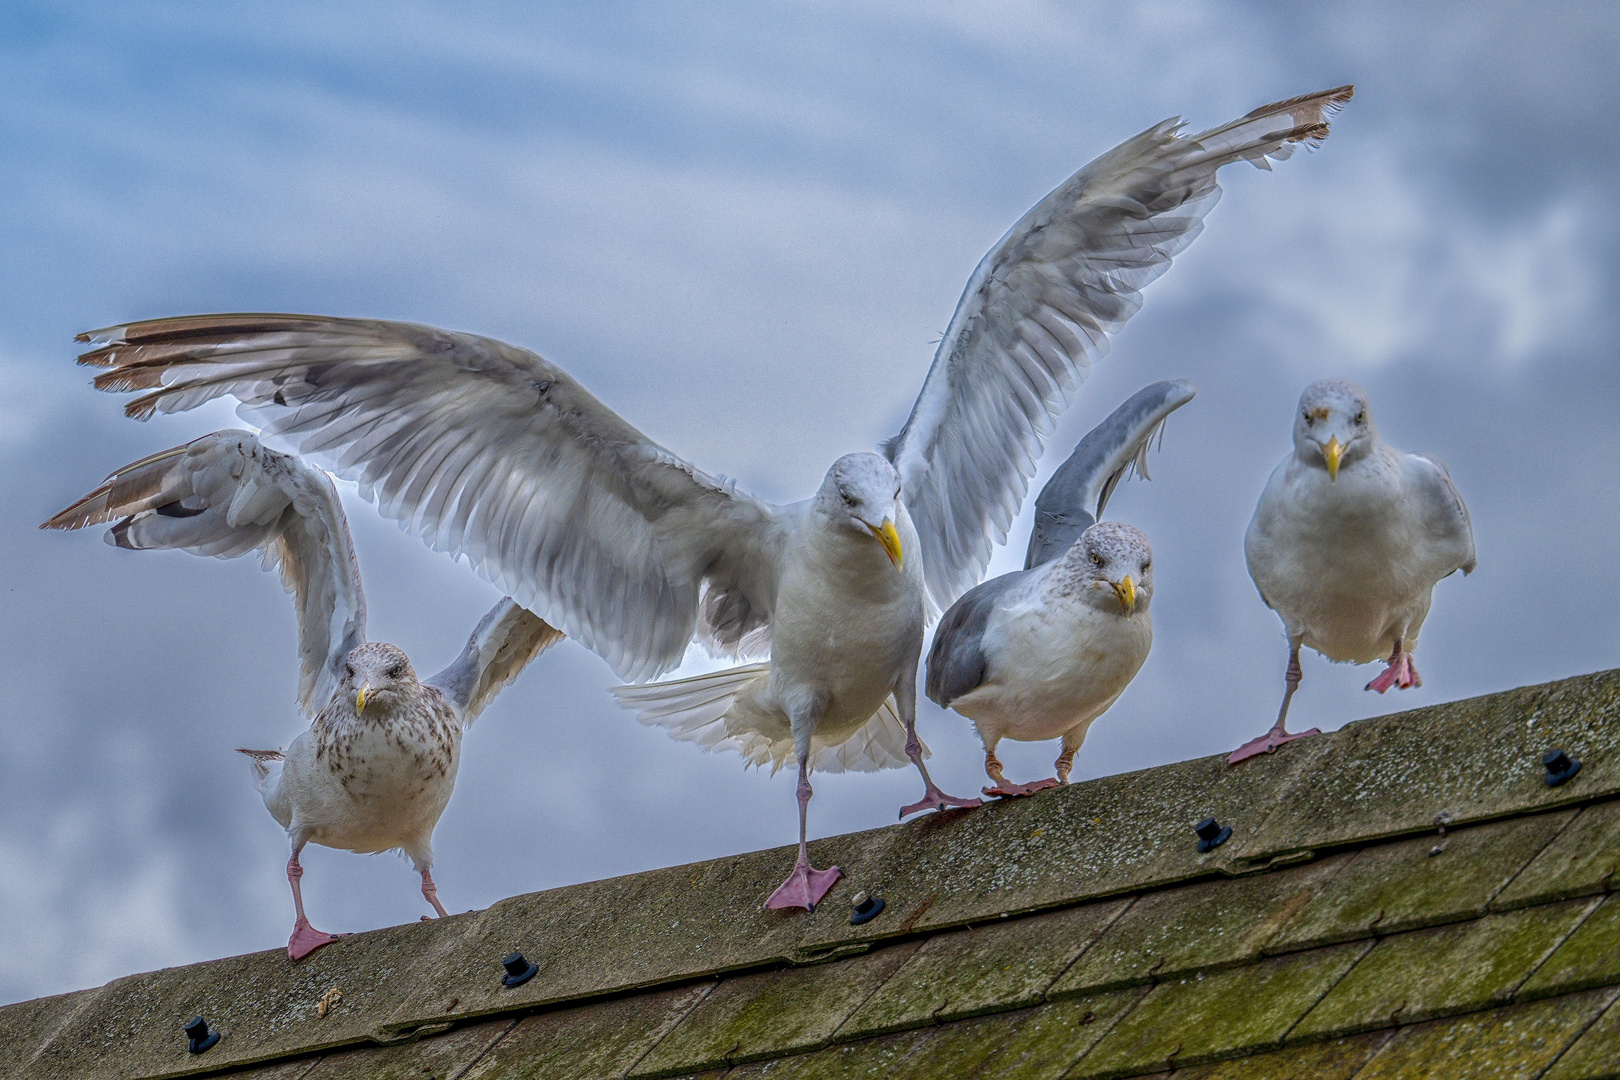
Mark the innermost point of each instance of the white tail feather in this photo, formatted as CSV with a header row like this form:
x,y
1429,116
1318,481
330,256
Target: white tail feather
x,y
703,709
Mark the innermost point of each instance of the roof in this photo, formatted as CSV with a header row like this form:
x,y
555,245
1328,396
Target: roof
x,y
1403,897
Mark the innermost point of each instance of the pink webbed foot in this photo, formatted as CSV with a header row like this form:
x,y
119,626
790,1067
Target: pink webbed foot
x,y
935,799
1266,743
1006,790
1401,672
804,887
306,939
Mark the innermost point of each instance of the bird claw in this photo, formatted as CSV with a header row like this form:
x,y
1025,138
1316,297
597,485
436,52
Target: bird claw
x,y
935,799
1401,672
306,939
1005,790
804,887
1267,743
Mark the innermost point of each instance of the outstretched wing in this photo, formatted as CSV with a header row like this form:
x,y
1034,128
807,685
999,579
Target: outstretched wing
x,y
1037,313
488,451
226,495
1077,493
501,646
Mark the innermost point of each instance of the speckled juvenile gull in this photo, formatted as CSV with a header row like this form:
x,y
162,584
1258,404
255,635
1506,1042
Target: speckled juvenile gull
x,y
1347,543
488,451
1042,652
377,766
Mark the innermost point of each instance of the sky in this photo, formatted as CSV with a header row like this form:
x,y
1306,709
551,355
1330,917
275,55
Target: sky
x,y
744,227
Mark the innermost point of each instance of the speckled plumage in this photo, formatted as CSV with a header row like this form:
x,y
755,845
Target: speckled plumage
x,y
375,770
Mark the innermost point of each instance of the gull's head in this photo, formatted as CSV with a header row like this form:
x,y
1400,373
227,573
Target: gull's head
x,y
376,676
861,495
1333,425
1114,564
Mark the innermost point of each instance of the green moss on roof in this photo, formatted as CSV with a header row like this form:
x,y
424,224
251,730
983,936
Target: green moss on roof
x,y
1078,934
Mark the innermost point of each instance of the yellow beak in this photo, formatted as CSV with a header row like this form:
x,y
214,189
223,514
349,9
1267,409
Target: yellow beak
x,y
1332,452
1125,589
360,698
889,537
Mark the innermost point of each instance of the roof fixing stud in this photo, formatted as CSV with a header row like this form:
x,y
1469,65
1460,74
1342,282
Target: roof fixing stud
x,y
1561,768
518,970
866,909
1211,835
200,1039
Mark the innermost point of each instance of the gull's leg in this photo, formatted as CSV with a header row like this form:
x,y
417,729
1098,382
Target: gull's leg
x,y
1401,671
305,938
431,891
905,695
992,768
1278,735
1065,761
806,885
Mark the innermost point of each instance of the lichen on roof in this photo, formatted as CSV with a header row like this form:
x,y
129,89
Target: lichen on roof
x,y
1404,897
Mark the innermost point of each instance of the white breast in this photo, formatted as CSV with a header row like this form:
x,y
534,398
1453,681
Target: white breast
x,y
1053,665
1349,566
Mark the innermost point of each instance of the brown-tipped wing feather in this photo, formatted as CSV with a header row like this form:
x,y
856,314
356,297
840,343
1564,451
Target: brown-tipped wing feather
x,y
226,495
1037,314
484,450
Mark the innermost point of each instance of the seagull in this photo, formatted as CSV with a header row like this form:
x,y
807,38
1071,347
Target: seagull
x,y
490,452
1042,652
1347,543
377,765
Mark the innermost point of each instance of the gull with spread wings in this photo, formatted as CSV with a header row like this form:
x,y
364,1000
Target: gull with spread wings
x,y
489,451
376,768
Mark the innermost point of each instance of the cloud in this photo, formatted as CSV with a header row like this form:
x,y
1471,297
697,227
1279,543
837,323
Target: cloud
x,y
743,228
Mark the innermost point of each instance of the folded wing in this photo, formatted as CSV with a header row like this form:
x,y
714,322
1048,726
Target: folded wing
x,y
225,495
501,646
488,451
1037,313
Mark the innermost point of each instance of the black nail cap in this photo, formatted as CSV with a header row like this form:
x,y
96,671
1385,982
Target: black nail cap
x,y
1560,767
1211,834
867,910
200,1038
518,970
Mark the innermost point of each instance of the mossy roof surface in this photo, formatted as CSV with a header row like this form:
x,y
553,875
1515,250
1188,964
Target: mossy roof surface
x,y
1405,897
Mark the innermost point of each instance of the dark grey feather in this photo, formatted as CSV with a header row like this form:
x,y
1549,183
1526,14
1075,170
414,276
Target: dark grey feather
x,y
956,661
1077,493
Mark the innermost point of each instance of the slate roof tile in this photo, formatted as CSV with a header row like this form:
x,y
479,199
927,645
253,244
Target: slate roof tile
x,y
1580,862
1447,969
1326,914
1224,1014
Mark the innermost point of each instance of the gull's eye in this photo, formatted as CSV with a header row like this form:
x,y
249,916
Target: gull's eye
x,y
1361,417
396,671
1147,566
850,500
1096,559
348,669
1309,419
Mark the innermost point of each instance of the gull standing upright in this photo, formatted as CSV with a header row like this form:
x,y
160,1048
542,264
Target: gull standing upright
x,y
489,451
1347,543
376,768
1042,652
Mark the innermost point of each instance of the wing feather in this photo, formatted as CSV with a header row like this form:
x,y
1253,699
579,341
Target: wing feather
x,y
1077,493
225,495
486,451
1038,311
501,646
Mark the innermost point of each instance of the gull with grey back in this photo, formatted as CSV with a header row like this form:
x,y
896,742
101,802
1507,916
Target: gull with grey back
x,y
1347,543
489,451
378,763
1042,652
